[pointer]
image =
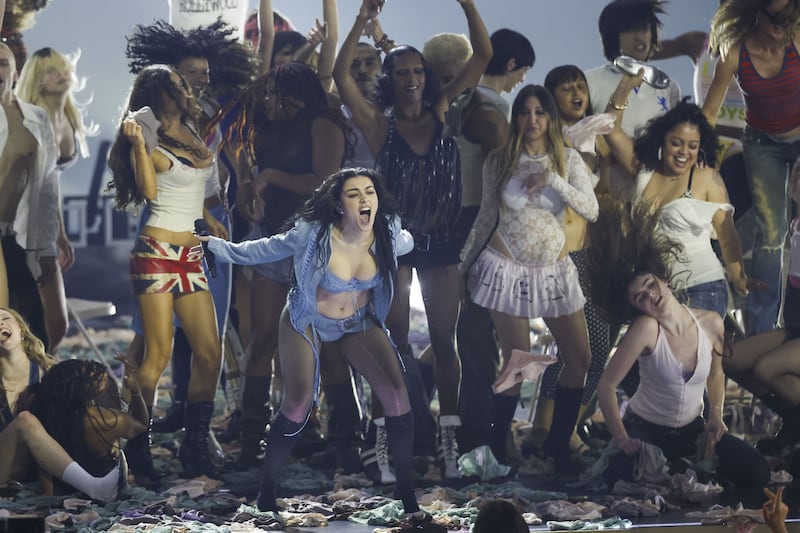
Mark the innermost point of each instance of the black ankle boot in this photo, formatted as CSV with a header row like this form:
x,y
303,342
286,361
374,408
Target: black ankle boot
x,y
172,420
567,403
282,436
400,432
253,422
140,461
503,409
194,451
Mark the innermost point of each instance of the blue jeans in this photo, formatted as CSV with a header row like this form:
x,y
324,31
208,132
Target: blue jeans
x,y
711,296
767,162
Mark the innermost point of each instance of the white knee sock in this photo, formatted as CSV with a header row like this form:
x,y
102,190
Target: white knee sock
x,y
98,488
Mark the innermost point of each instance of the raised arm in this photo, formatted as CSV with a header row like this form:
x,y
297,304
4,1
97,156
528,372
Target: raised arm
x,y
266,40
327,53
620,142
475,66
366,115
638,340
723,73
691,44
143,168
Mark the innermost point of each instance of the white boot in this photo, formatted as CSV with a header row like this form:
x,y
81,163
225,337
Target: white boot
x,y
376,460
448,447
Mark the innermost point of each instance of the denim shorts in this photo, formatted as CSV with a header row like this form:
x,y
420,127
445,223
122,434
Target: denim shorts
x,y
333,329
712,296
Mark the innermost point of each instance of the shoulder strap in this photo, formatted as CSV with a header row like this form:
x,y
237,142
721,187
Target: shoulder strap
x,y
689,185
33,375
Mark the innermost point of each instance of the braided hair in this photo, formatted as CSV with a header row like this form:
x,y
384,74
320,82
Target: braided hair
x,y
63,396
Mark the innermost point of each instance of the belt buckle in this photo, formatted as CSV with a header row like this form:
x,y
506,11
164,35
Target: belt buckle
x,y
346,323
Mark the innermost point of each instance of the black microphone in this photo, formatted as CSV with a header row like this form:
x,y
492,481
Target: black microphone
x,y
201,228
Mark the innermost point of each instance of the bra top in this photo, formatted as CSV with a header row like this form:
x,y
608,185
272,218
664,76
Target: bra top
x,y
336,285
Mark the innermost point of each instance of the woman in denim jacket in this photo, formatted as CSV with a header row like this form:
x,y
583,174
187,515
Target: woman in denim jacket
x,y
344,246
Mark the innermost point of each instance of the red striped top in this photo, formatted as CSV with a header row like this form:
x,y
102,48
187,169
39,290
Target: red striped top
x,y
772,105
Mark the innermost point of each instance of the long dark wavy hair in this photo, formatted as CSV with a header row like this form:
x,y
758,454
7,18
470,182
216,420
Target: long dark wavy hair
x,y
151,86
651,140
247,114
231,64
384,91
625,245
63,396
323,208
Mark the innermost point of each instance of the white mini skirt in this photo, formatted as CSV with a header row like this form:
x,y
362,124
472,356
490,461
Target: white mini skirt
x,y
498,282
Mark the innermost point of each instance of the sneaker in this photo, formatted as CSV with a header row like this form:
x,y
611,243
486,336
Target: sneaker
x,y
376,459
448,446
653,77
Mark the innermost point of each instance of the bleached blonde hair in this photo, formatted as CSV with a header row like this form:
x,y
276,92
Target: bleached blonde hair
x,y
29,85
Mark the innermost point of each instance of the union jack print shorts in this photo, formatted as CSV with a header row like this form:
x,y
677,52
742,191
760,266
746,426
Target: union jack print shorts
x,y
160,267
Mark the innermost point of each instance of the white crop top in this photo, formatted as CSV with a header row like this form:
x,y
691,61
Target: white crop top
x,y
664,397
181,191
689,221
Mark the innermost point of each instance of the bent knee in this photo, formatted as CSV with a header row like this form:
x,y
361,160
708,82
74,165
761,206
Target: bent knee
x,y
28,423
764,370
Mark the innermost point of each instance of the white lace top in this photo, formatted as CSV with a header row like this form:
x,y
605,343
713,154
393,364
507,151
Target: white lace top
x,y
530,222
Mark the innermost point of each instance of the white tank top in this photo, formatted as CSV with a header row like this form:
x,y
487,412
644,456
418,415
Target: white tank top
x,y
181,191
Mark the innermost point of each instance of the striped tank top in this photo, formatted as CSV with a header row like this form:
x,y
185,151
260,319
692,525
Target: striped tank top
x,y
772,104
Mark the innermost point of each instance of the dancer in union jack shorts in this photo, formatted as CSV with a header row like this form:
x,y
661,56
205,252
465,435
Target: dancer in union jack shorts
x,y
158,157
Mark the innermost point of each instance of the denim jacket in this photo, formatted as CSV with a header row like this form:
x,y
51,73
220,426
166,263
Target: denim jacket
x,y
309,265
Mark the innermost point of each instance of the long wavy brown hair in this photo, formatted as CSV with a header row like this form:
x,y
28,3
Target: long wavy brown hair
x,y
625,245
734,20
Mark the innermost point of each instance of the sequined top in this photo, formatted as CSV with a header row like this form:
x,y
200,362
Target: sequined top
x,y
427,187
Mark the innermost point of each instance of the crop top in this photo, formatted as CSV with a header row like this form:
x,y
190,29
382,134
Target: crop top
x,y
688,220
772,105
335,285
181,191
664,396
